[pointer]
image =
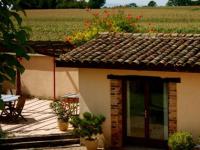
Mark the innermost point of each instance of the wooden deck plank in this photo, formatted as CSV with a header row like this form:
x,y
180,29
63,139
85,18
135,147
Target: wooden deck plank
x,y
40,120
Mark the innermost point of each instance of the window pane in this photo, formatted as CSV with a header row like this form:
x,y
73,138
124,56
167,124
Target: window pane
x,y
157,110
135,109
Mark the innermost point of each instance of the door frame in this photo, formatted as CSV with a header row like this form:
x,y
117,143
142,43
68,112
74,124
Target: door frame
x,y
146,141
117,114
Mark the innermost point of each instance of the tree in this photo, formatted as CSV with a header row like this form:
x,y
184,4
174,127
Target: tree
x,y
179,2
152,4
170,3
196,2
13,37
96,3
132,5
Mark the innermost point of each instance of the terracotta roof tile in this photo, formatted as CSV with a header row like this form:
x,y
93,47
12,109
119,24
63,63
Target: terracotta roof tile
x,y
172,52
48,48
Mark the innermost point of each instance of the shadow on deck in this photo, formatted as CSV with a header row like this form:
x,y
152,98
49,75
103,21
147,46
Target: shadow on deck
x,y
41,120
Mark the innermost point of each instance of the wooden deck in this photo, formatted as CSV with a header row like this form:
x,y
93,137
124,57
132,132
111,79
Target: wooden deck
x,y
41,120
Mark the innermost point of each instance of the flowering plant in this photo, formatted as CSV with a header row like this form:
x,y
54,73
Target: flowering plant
x,y
61,112
105,22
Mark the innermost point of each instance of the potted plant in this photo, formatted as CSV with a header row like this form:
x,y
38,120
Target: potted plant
x,y
63,114
88,128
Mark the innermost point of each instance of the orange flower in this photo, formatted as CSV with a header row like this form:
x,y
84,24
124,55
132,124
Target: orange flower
x,y
138,17
107,14
87,24
68,39
129,16
95,14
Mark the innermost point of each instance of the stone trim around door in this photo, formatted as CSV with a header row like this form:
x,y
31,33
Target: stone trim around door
x,y
172,107
116,111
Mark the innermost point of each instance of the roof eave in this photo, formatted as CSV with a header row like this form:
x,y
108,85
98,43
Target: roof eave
x,y
70,64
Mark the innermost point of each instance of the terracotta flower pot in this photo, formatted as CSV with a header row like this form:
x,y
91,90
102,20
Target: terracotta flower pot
x,y
90,144
63,125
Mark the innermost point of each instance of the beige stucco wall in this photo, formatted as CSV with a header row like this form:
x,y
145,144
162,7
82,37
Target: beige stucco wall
x,y
37,80
95,96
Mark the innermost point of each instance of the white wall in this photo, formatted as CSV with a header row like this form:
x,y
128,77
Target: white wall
x,y
95,96
37,80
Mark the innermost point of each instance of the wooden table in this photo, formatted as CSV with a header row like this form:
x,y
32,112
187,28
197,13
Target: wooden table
x,y
9,100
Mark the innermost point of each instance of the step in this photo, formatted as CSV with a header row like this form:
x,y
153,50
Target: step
x,y
74,146
38,143
67,135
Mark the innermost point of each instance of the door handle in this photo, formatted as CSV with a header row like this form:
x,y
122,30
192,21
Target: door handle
x,y
145,113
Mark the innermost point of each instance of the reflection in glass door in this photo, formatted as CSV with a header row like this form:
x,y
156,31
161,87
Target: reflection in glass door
x,y
146,109
158,111
135,109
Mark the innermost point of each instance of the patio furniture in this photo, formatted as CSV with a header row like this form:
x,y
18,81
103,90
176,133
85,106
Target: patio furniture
x,y
71,101
12,110
9,103
17,111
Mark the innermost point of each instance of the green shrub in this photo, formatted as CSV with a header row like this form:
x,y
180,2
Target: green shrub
x,y
88,126
105,22
181,141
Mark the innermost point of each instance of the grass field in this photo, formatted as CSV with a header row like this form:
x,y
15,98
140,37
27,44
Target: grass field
x,y
56,24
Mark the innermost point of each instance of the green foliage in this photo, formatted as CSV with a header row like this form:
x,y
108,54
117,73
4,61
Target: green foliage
x,y
152,4
170,3
13,37
196,3
88,126
56,24
72,4
179,3
106,22
61,111
96,3
38,4
51,4
181,141
132,5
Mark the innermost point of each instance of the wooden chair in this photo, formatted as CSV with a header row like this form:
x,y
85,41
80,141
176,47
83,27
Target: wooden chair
x,y
17,110
71,104
5,112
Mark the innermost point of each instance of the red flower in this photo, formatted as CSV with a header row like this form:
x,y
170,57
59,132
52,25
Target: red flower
x,y
129,16
138,17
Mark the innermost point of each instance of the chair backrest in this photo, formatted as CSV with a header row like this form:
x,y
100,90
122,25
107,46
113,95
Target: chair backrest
x,y
72,104
20,104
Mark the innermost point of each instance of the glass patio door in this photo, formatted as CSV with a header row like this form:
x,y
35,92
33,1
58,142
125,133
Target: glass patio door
x,y
146,111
